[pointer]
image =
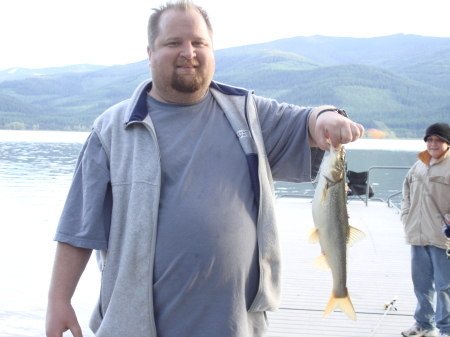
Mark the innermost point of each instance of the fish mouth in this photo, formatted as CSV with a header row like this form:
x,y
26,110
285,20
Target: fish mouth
x,y
334,170
338,166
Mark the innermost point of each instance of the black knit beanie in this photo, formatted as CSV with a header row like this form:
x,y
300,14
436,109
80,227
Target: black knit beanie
x,y
441,130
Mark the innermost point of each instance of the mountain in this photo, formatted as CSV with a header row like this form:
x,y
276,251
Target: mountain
x,y
425,59
399,80
21,73
67,100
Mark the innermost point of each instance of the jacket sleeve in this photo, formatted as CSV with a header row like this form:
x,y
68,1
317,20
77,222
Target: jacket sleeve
x,y
86,216
286,139
406,200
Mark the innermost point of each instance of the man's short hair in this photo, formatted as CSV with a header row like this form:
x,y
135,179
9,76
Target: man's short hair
x,y
182,5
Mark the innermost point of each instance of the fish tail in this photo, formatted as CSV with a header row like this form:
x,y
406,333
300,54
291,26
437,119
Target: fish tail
x,y
344,303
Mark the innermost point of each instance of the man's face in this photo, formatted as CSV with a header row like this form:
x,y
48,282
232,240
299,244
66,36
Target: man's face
x,y
182,58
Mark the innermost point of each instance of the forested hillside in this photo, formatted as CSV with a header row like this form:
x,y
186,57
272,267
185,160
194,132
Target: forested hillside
x,y
402,81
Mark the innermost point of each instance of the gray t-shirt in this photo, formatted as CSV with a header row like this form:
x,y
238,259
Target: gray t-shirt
x,y
206,266
206,270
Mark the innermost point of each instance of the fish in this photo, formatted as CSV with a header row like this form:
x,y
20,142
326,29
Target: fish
x,y
332,230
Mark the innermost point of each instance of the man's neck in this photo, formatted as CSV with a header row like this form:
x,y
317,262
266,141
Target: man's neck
x,y
178,97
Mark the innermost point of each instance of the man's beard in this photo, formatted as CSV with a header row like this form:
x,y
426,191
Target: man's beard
x,y
187,83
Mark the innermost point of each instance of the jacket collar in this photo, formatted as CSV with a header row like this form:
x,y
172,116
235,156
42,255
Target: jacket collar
x,y
137,109
425,157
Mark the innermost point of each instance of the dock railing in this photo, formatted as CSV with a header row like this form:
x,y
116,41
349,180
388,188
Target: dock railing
x,y
390,204
388,200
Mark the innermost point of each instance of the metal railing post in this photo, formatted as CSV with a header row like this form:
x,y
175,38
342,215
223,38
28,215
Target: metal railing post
x,y
379,167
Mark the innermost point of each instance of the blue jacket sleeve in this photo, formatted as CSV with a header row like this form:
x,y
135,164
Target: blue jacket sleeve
x,y
86,216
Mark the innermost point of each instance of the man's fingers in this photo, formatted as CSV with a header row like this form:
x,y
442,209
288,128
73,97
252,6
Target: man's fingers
x,y
335,129
347,133
358,132
76,331
341,134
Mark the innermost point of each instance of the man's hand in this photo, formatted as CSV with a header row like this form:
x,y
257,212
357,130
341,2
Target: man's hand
x,y
69,264
60,318
333,128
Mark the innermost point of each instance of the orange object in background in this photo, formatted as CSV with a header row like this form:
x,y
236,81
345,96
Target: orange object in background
x,y
374,133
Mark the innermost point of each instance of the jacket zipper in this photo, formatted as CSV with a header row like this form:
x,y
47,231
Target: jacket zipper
x,y
153,243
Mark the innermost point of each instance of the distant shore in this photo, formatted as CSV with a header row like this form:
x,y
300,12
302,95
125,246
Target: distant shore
x,y
80,137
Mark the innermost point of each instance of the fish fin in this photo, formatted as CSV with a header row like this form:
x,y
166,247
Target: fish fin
x,y
355,235
321,263
313,234
345,304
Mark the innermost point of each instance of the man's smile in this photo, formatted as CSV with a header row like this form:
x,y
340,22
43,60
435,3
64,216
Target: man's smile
x,y
189,68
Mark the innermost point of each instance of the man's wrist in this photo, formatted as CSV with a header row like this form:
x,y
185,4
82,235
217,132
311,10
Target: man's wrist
x,y
339,111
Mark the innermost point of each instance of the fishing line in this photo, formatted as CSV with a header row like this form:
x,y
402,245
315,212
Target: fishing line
x,y
388,306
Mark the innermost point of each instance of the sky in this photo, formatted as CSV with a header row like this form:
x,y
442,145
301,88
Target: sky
x,y
51,33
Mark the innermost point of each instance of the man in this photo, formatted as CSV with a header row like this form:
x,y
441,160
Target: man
x,y
174,189
426,194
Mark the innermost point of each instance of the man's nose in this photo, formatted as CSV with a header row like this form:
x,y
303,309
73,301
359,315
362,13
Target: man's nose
x,y
188,51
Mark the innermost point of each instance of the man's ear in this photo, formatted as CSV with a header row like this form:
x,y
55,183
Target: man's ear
x,y
149,53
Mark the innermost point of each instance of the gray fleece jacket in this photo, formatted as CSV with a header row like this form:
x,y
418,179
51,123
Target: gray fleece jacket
x,y
129,140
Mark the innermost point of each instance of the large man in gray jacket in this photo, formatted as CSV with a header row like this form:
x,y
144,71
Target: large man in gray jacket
x,y
174,189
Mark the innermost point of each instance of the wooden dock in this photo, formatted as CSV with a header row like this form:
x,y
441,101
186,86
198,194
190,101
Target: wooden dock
x,y
378,271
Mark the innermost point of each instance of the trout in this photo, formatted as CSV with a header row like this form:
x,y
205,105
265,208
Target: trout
x,y
332,231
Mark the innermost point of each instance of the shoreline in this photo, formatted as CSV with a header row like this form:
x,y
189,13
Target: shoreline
x,y
80,137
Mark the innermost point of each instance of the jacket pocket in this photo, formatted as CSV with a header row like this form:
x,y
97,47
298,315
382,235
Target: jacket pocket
x,y
440,180
96,317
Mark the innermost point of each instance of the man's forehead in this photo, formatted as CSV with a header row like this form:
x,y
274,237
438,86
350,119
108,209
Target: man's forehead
x,y
173,15
172,19
179,36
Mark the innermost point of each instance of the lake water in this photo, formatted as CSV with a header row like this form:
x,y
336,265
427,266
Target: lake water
x,y
35,173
